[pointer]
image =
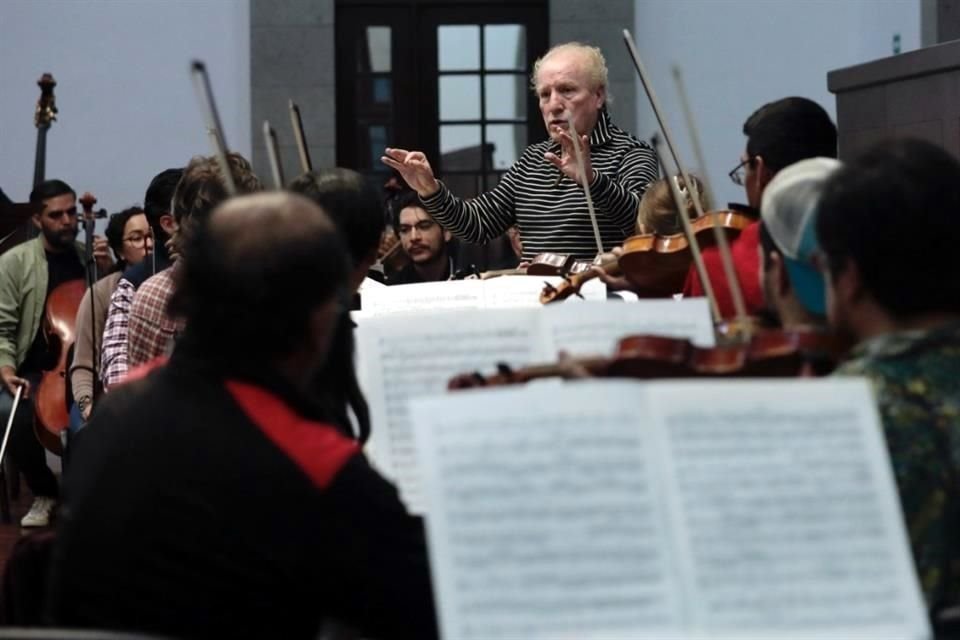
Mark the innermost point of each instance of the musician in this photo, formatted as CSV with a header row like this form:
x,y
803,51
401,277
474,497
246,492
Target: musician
x,y
151,328
778,134
541,193
899,297
131,240
354,207
424,242
28,274
793,287
156,204
658,211
268,521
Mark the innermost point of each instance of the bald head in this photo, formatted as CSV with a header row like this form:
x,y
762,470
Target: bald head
x,y
255,274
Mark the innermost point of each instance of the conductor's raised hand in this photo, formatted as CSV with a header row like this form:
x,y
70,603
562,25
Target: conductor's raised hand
x,y
414,168
567,160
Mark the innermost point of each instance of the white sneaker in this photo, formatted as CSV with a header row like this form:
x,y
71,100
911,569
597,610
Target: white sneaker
x,y
40,512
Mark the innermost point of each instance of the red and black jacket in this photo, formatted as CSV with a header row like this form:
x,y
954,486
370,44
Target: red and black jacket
x,y
201,505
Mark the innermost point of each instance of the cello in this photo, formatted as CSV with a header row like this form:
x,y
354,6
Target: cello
x,y
51,401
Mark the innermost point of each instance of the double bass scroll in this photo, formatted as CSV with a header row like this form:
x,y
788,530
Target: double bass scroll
x,y
43,117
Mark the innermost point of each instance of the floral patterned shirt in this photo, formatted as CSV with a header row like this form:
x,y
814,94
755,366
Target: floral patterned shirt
x,y
916,378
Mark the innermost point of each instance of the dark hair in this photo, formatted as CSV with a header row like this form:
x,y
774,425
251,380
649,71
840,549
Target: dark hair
x,y
790,130
404,199
869,204
159,196
50,189
352,203
246,289
337,387
114,233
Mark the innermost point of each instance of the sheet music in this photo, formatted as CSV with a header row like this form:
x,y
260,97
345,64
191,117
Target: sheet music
x,y
404,357
455,294
787,510
697,509
594,328
495,293
545,520
524,291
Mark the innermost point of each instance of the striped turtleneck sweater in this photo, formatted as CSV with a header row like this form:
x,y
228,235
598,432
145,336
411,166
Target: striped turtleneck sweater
x,y
550,209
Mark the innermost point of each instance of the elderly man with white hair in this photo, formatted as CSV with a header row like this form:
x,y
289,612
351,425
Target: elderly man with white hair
x,y
541,193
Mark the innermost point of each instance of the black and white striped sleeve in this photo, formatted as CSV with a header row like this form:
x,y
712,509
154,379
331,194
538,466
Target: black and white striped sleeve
x,y
619,197
479,219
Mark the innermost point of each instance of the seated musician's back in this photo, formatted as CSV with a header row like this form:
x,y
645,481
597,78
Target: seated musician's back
x,y
207,499
899,298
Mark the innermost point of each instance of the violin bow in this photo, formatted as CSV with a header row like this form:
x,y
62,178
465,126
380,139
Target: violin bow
x,y
296,121
13,412
582,170
87,201
201,82
681,205
722,245
273,153
692,130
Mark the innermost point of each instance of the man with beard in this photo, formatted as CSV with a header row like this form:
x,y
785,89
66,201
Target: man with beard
x,y
30,270
423,240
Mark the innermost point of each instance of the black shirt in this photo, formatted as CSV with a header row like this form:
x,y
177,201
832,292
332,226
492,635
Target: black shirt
x,y
202,505
410,275
61,267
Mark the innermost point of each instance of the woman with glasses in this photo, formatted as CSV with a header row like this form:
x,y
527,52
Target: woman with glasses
x,y
131,240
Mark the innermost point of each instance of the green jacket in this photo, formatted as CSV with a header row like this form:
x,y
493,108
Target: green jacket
x,y
23,293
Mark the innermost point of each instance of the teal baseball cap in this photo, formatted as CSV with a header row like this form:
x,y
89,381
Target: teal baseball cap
x,y
789,212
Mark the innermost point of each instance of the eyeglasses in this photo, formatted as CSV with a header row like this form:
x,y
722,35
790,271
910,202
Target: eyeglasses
x,y
422,226
137,239
739,172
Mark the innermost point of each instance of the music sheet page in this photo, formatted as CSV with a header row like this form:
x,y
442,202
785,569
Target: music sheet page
x,y
524,291
594,328
785,510
404,356
495,293
454,294
545,519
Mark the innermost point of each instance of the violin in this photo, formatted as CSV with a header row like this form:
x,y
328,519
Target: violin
x,y
768,353
656,265
557,264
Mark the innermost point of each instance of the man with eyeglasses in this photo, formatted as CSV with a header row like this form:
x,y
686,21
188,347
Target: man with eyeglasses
x,y
424,242
778,134
28,274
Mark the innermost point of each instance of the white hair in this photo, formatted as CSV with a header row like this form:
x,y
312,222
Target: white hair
x,y
595,65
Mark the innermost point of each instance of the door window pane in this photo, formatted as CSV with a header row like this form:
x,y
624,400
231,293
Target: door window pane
x,y
505,47
378,50
460,147
507,142
505,97
460,97
377,138
458,47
